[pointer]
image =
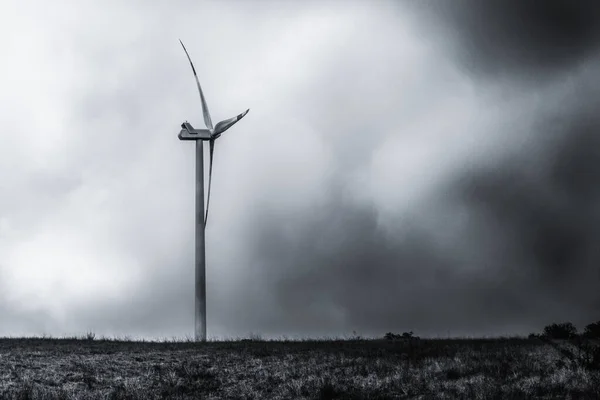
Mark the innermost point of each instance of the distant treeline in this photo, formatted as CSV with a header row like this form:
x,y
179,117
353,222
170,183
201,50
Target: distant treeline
x,y
563,330
566,330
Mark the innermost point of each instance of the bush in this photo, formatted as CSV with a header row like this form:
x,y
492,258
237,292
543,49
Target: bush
x,y
592,330
565,330
533,336
405,336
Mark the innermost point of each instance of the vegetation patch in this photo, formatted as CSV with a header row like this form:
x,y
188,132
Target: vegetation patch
x,y
396,366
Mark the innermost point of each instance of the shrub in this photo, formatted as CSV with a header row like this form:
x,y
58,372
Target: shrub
x,y
565,330
404,336
592,330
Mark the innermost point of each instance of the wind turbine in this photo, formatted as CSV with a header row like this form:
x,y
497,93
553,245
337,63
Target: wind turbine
x,y
199,135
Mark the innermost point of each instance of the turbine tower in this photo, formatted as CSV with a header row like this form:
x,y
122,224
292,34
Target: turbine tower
x,y
199,135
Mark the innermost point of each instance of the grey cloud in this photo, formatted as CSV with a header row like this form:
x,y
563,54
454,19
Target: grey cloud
x,y
515,39
544,210
499,242
525,257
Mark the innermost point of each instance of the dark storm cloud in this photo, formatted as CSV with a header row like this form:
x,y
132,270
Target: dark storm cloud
x,y
541,204
542,207
531,40
545,212
528,253
335,269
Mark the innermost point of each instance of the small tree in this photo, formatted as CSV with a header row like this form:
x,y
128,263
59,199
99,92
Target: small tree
x,y
592,330
565,330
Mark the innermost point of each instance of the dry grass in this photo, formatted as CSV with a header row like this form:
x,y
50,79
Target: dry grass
x,y
43,368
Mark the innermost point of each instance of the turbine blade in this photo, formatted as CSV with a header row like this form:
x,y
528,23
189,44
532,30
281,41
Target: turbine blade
x,y
207,119
212,149
228,123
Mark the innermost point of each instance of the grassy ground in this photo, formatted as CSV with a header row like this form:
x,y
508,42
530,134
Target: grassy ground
x,y
344,369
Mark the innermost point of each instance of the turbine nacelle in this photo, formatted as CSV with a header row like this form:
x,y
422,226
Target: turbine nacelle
x,y
188,132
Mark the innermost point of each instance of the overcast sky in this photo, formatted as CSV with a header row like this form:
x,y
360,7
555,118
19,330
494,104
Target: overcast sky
x,y
430,166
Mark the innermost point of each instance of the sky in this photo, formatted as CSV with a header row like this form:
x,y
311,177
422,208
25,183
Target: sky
x,y
405,166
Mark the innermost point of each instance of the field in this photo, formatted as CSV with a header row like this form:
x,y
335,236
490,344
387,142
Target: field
x,y
39,368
